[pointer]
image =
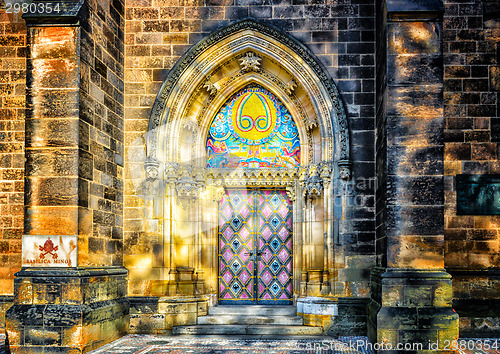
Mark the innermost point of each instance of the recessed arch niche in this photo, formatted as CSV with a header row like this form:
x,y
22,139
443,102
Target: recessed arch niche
x,y
242,54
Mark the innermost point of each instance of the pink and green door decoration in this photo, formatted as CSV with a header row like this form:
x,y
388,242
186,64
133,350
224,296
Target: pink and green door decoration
x,y
255,247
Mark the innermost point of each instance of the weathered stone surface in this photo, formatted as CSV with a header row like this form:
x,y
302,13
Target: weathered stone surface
x,y
413,38
57,220
420,101
54,42
51,132
414,69
68,321
51,191
60,162
418,190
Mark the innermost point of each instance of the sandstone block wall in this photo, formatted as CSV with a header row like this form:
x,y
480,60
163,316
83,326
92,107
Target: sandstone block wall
x,y
101,144
471,35
12,113
341,34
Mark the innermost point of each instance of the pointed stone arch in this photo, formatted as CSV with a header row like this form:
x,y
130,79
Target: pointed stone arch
x,y
189,194
216,67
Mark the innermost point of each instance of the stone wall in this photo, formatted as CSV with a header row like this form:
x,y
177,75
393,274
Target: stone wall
x,y
471,35
381,140
67,310
101,135
153,315
158,32
12,103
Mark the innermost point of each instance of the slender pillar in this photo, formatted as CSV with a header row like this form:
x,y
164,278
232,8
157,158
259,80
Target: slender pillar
x,y
414,290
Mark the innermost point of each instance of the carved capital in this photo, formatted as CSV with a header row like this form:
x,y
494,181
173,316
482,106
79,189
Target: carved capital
x,y
218,193
312,184
171,171
151,168
290,192
344,169
326,169
190,181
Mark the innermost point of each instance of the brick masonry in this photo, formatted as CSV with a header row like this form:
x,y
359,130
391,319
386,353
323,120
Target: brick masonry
x,y
471,31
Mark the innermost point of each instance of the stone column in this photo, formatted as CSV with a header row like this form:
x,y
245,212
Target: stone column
x,y
414,290
51,182
58,306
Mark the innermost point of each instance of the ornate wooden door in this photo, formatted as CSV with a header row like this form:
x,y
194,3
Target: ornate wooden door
x,y
255,247
236,248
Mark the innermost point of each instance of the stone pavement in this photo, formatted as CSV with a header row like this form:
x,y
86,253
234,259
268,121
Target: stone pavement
x,y
135,344
141,344
156,344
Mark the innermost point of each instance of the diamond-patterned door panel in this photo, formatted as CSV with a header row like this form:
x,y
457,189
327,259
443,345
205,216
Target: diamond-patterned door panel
x,y
274,278
236,246
267,242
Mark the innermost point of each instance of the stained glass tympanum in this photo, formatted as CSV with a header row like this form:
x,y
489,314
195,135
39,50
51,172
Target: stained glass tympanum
x,y
253,129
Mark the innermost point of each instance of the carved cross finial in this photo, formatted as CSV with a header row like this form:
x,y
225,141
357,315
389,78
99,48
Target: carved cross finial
x,y
250,62
290,87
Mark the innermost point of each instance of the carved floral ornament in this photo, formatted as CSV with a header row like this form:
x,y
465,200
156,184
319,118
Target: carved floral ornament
x,y
250,62
189,181
290,86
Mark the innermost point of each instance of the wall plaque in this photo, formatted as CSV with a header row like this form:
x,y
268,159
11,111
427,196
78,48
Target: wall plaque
x,y
49,251
478,194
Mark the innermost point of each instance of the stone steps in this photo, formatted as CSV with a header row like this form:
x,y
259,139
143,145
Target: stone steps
x,y
256,310
275,330
250,320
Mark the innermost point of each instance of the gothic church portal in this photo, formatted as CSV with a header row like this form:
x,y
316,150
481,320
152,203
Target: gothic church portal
x,y
160,159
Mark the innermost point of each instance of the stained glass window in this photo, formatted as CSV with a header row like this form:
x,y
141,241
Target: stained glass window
x,y
253,129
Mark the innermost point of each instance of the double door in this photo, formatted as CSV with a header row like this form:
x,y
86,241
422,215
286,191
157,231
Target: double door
x,y
255,247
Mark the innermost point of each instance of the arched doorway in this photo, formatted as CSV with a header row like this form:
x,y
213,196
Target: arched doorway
x,y
253,129
199,172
